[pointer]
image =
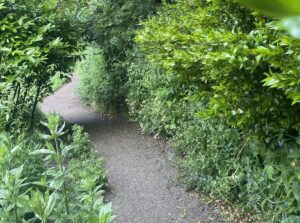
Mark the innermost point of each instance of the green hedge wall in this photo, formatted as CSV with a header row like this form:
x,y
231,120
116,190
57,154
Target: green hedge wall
x,y
201,82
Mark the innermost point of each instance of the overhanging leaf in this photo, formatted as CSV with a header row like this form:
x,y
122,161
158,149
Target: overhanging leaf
x,y
277,8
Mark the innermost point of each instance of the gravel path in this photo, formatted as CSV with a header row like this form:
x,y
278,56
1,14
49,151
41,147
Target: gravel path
x,y
141,177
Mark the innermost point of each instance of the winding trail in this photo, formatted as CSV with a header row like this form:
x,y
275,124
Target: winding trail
x,y
141,176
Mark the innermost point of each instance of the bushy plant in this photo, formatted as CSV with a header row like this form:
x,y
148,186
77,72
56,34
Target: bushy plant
x,y
240,169
38,179
112,25
155,100
94,87
48,187
37,40
82,145
207,69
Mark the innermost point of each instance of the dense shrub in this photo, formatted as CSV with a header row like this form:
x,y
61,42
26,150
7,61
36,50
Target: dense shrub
x,y
39,178
37,40
223,162
112,25
157,101
202,82
94,87
40,181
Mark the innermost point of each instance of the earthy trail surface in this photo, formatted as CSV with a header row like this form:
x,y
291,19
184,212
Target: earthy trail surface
x,y
141,177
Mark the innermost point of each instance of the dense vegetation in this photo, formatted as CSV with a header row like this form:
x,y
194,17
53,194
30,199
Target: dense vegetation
x,y
221,81
111,26
39,178
40,181
33,49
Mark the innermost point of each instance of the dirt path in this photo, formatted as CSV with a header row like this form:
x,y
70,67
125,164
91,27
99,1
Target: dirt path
x,y
144,188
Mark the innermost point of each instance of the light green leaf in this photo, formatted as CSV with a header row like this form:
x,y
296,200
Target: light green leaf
x,y
42,151
278,8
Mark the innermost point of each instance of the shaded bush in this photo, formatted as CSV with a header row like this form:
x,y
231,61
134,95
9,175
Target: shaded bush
x,y
38,41
112,25
156,100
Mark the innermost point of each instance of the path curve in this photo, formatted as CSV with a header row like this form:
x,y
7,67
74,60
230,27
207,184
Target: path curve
x,y
141,177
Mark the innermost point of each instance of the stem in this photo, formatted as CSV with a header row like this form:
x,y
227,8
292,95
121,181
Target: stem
x,y
59,153
16,99
66,198
16,214
24,96
16,91
60,165
35,104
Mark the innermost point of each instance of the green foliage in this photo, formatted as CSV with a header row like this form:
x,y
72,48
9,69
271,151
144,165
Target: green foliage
x,y
288,10
39,177
248,51
240,169
112,24
81,143
37,40
94,86
57,81
54,190
154,98
275,7
223,82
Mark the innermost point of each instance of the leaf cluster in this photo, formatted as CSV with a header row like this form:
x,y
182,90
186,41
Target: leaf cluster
x,y
40,181
37,41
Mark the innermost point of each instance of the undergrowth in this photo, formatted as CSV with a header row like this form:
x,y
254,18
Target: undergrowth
x,y
51,176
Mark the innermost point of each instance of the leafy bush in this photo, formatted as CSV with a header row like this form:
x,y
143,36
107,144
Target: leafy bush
x,y
37,40
204,82
155,99
40,181
223,162
94,87
112,24
290,12
82,145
